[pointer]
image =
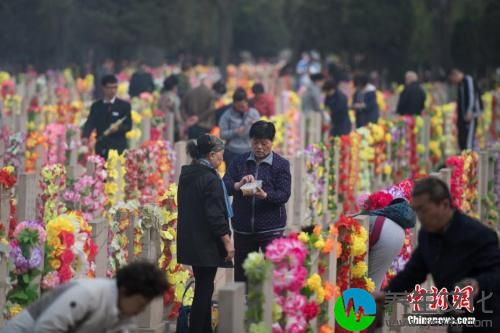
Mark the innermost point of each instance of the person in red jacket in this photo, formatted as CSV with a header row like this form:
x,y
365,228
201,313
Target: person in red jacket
x,y
262,101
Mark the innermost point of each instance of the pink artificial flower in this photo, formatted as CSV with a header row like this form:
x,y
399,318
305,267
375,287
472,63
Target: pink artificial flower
x,y
296,324
277,328
294,304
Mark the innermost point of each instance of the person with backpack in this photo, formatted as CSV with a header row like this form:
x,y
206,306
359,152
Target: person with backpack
x,y
387,235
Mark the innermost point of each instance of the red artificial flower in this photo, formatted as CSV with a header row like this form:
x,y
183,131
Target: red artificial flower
x,y
7,180
67,257
311,310
358,283
175,311
65,273
91,248
321,269
67,238
378,200
12,218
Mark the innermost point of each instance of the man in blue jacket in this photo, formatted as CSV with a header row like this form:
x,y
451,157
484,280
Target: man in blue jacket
x,y
261,218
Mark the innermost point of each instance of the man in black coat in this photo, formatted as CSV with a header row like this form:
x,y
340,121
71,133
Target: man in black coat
x,y
111,118
456,250
412,99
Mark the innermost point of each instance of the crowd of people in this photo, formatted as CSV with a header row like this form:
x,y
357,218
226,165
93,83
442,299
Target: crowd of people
x,y
222,220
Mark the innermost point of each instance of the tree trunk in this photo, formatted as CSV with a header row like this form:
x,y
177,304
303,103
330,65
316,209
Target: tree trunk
x,y
442,21
225,9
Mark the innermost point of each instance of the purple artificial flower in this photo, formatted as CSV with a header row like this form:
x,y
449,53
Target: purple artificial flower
x,y
36,258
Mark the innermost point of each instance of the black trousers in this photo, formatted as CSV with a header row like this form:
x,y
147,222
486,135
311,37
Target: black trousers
x,y
200,319
246,244
466,133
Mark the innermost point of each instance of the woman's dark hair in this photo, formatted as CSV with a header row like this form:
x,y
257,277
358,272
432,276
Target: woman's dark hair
x,y
192,150
108,79
263,130
436,189
204,145
141,278
170,82
258,88
329,85
239,95
219,87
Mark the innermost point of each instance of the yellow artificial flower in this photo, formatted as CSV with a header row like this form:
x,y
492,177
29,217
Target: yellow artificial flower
x,y
387,169
15,310
136,117
320,243
111,188
148,113
4,76
420,148
303,237
419,122
320,295
370,285
314,282
55,264
388,137
358,246
363,234
359,269
9,168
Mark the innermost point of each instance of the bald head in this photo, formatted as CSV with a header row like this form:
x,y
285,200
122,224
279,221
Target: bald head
x,y
411,77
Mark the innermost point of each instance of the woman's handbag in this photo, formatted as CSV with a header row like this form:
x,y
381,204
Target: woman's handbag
x,y
185,311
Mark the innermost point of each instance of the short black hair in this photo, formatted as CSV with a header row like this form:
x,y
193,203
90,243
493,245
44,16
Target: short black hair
x,y
329,85
263,130
239,95
361,80
436,188
142,278
219,87
317,77
108,79
258,88
170,82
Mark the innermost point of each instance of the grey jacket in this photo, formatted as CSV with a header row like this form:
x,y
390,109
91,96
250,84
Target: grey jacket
x,y
311,100
80,306
232,120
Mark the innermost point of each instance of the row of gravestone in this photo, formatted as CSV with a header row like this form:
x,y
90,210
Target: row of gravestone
x,y
231,296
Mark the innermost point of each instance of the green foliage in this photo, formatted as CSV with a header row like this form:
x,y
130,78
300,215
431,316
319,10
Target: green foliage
x,y
381,34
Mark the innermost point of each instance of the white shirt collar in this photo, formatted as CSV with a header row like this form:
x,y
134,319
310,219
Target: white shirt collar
x,y
112,101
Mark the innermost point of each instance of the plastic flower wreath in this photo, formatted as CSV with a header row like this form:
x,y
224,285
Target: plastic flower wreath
x,y
27,258
289,277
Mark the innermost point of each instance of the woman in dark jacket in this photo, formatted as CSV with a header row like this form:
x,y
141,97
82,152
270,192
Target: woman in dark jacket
x,y
336,102
203,234
364,101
